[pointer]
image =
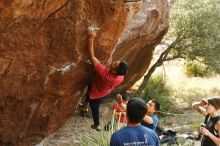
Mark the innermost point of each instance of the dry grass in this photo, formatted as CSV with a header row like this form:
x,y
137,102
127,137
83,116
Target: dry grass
x,y
186,90
193,88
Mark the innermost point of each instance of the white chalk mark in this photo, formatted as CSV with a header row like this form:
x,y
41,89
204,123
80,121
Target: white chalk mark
x,y
63,69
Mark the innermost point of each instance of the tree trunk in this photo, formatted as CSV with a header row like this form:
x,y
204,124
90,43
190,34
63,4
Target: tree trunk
x,y
158,63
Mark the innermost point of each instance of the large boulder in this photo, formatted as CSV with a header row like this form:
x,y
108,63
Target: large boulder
x,y
44,64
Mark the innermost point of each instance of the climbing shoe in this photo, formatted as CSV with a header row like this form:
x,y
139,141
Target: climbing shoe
x,y
83,108
96,127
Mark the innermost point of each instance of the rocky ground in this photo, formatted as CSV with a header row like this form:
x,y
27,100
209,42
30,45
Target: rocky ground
x,y
75,128
71,133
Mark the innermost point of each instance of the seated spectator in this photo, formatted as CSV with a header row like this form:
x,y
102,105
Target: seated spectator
x,y
150,119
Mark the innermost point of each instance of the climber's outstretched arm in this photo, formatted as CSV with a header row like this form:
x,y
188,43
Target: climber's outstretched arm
x,y
93,59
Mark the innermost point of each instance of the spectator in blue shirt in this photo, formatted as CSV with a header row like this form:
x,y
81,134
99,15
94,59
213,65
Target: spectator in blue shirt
x,y
134,134
150,119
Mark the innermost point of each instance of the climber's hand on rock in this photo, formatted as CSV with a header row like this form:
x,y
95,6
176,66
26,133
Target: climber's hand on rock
x,y
92,31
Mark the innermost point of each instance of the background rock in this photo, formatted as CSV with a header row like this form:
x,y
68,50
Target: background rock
x,y
44,65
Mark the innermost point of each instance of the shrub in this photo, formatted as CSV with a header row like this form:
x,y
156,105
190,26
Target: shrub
x,y
196,69
157,88
101,138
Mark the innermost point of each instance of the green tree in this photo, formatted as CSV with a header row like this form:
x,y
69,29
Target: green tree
x,y
194,34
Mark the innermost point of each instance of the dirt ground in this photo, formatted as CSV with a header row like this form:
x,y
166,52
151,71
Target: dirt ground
x,y
70,133
77,126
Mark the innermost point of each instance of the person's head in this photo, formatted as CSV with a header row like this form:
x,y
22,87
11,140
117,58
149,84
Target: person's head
x,y
119,67
136,110
124,97
121,97
213,104
153,106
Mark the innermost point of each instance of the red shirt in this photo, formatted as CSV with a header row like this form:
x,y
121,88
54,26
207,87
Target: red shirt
x,y
118,109
103,82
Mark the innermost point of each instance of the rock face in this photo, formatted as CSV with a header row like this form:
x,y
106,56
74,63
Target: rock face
x,y
44,63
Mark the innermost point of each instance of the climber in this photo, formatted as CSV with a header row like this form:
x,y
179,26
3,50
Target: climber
x,y
106,78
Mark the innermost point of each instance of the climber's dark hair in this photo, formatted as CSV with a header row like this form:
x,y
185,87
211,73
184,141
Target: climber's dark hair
x,y
122,68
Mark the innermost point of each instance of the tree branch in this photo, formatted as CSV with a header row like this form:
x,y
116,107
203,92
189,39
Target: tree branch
x,y
158,63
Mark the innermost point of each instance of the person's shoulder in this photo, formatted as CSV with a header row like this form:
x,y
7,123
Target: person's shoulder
x,y
118,79
141,127
99,65
145,128
114,133
120,132
114,79
217,120
148,130
100,69
154,118
121,77
115,105
218,123
125,129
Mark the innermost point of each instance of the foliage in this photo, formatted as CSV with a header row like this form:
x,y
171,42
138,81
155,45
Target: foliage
x,y
194,34
101,138
196,69
196,27
157,89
